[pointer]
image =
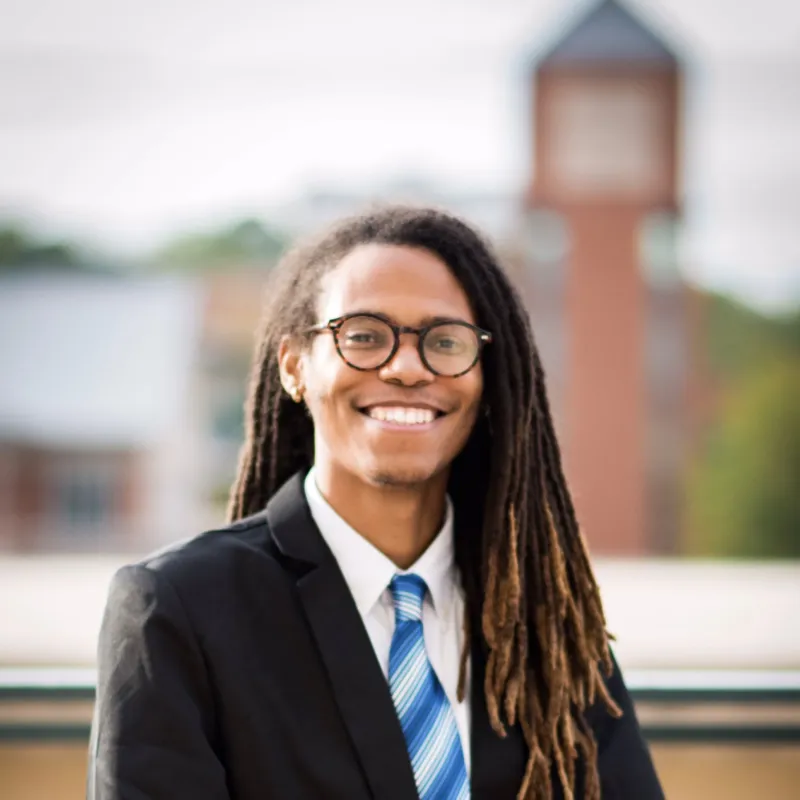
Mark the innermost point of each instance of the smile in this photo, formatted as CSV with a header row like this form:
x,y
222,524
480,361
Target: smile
x,y
401,415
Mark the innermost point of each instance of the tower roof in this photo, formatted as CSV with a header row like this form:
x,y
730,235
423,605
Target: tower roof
x,y
607,33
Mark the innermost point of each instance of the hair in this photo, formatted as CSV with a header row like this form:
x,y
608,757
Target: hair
x,y
529,588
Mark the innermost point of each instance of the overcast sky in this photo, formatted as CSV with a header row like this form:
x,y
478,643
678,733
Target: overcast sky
x,y
122,122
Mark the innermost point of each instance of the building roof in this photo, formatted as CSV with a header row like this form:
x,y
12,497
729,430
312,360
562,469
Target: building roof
x,y
94,361
607,33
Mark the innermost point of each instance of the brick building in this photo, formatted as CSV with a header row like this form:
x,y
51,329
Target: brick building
x,y
599,268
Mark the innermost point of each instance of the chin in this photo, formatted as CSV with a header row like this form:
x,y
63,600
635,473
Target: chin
x,y
400,475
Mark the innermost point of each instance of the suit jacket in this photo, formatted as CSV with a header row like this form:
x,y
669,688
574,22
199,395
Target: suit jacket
x,y
236,667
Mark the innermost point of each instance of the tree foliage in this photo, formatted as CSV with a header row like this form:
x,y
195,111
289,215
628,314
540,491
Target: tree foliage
x,y
245,243
20,249
744,494
740,338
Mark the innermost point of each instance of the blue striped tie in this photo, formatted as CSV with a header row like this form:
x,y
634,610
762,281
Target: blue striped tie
x,y
426,717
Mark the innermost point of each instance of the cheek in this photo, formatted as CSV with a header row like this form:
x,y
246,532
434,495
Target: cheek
x,y
326,389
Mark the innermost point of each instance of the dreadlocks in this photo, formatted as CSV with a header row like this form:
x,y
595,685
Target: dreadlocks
x,y
530,591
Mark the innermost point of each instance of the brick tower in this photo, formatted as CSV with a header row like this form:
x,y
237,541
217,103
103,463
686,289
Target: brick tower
x,y
606,301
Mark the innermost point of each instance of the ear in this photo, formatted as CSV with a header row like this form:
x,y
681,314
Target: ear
x,y
290,363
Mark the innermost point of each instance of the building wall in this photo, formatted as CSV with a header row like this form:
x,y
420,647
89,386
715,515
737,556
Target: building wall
x,y
653,180
67,500
604,403
174,501
8,491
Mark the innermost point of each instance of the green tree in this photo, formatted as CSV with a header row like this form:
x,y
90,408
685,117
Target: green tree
x,y
245,243
19,249
740,339
744,497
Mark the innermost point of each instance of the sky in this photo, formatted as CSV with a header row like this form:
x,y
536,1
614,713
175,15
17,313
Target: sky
x,y
122,123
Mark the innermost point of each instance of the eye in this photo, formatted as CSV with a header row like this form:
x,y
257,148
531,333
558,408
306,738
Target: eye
x,y
364,333
446,343
360,338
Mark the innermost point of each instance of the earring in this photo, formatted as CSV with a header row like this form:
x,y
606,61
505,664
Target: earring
x,y
296,394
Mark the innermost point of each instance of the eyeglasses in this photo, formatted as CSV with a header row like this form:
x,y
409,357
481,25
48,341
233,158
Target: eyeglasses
x,y
367,342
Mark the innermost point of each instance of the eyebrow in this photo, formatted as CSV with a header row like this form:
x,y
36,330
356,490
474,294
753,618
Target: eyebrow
x,y
423,323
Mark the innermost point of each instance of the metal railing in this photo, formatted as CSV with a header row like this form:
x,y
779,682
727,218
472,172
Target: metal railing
x,y
688,706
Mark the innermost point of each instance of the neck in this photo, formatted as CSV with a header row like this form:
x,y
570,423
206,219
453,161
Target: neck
x,y
399,520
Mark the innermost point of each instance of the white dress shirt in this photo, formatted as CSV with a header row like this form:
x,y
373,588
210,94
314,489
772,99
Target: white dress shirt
x,y
368,572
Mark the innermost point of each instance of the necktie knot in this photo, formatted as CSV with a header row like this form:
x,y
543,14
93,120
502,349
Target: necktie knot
x,y
408,592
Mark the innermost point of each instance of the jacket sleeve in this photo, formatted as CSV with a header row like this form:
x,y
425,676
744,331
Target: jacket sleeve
x,y
625,765
153,722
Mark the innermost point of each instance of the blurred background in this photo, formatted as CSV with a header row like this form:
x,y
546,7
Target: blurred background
x,y
636,164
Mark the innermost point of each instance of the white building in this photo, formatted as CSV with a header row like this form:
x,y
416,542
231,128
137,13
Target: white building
x,y
99,429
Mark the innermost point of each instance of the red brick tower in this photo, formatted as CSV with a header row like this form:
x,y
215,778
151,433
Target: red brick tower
x,y
607,305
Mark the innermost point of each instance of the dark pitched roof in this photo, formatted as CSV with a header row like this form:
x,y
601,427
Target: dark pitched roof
x,y
607,33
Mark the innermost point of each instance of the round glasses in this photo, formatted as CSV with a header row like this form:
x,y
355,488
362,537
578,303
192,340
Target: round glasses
x,y
368,342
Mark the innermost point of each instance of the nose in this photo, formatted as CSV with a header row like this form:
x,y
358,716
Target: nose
x,y
406,366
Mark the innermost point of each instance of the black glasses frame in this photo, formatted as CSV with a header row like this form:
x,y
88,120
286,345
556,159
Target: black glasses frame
x,y
335,325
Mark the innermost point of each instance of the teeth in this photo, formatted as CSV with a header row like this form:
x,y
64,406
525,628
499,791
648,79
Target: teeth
x,y
402,416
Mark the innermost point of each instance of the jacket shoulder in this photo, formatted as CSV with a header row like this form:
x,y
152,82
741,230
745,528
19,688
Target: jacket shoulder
x,y
214,557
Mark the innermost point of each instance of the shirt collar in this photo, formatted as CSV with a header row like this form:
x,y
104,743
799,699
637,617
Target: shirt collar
x,y
367,571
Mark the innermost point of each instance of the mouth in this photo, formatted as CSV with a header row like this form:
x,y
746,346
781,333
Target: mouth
x,y
407,417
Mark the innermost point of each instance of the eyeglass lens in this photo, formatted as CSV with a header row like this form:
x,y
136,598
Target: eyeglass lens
x,y
367,343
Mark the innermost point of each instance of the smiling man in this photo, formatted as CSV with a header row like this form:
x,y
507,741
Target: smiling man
x,y
403,605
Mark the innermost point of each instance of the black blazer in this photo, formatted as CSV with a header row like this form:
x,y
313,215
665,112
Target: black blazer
x,y
236,667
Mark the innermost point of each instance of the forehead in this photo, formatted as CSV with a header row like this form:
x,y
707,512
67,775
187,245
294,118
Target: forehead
x,y
408,284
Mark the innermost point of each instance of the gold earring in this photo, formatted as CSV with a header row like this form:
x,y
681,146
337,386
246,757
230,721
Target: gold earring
x,y
297,394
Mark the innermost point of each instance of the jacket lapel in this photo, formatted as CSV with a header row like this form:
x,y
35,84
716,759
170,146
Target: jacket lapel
x,y
359,685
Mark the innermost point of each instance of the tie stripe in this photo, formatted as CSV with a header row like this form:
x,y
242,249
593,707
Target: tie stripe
x,y
427,720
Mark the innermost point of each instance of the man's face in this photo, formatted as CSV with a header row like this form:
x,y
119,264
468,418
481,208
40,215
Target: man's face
x,y
401,424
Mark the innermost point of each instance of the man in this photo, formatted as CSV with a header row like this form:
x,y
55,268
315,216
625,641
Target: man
x,y
403,606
